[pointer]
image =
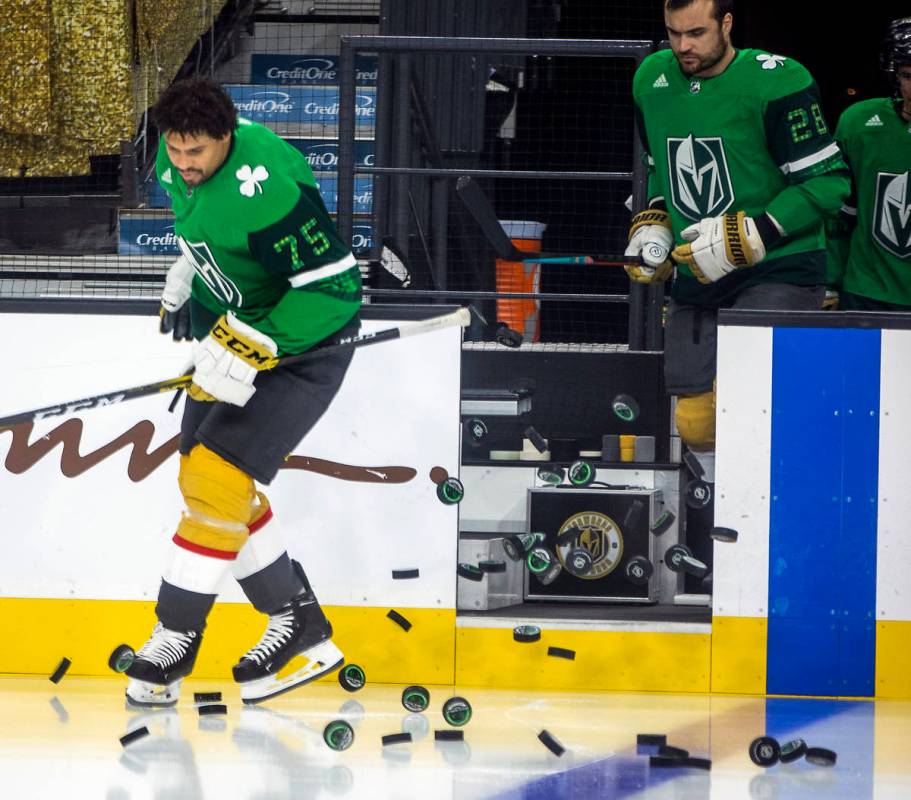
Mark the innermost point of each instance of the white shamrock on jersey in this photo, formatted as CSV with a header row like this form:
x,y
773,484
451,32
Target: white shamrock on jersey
x,y
770,62
250,179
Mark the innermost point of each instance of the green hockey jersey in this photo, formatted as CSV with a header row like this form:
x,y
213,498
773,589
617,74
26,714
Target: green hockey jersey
x,y
262,243
753,139
870,245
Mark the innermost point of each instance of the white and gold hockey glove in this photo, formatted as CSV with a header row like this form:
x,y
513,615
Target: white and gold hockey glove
x,y
175,312
228,360
716,246
650,242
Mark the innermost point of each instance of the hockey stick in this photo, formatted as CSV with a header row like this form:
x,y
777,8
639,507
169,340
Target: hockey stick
x,y
462,318
480,209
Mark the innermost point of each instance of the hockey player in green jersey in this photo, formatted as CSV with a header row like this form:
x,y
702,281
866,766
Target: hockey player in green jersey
x,y
869,244
265,275
742,172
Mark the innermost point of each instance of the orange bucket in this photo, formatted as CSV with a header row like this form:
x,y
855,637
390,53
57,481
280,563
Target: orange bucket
x,y
514,276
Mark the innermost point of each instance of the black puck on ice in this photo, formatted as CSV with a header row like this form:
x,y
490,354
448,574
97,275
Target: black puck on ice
x,y
793,751
579,561
396,738
507,337
212,708
206,697
470,572
651,738
492,566
764,751
672,752
415,698
477,431
674,555
580,473
399,620
122,658
562,652
338,734
692,462
58,673
693,566
723,534
551,474
451,491
821,757
625,407
668,762
551,743
405,574
132,736
569,536
539,442
698,494
457,711
352,677
664,521
526,633
448,736
638,570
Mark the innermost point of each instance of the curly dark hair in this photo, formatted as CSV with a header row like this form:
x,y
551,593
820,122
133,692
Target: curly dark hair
x,y
193,106
722,7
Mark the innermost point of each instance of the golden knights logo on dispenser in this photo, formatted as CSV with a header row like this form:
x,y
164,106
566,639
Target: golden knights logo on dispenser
x,y
600,536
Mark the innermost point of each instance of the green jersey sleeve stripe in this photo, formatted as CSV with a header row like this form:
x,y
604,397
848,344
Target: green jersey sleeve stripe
x,y
321,273
851,211
808,161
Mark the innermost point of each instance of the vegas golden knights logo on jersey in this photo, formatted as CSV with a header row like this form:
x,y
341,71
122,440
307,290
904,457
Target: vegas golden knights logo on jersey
x,y
892,214
699,176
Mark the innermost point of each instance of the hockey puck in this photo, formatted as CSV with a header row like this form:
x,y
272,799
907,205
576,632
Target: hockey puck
x,y
206,697
651,738
122,658
448,736
517,546
399,620
821,757
674,555
581,473
551,474
672,752
562,652
451,491
579,562
631,518
625,407
470,572
667,761
698,494
507,337
492,566
396,738
405,574
132,736
569,536
526,633
551,743
638,570
457,711
792,751
693,464
664,521
213,708
477,431
58,673
693,566
539,560
338,734
723,534
415,698
351,677
539,442
764,751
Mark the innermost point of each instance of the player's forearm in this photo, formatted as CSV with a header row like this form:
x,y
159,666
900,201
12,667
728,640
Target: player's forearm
x,y
804,204
306,316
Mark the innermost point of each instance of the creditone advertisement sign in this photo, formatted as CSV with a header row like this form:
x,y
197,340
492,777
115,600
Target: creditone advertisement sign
x,y
287,69
304,105
146,234
322,154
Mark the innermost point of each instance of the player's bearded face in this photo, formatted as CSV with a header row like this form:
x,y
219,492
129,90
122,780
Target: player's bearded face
x,y
196,156
698,39
904,85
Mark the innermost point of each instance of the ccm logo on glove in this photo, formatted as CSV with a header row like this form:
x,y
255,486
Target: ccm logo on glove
x,y
248,350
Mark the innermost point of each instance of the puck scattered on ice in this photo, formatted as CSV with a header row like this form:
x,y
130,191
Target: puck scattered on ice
x,y
664,521
405,574
569,536
764,751
526,633
58,673
450,491
448,736
539,560
673,752
415,698
820,756
581,473
122,658
207,697
213,708
396,738
638,570
492,566
665,761
507,337
132,736
579,562
561,652
457,711
470,572
352,677
517,546
338,734
633,513
723,534
551,743
698,494
792,751
625,407
651,738
477,431
693,566
674,555
551,474
399,620
536,439
693,463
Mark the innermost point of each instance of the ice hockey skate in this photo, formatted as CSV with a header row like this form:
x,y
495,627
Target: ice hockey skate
x,y
295,649
160,666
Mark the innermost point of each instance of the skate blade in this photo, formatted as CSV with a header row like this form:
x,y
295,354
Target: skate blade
x,y
322,659
144,695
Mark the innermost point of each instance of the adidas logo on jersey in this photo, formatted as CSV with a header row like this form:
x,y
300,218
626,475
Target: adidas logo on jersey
x,y
874,122
661,83
166,176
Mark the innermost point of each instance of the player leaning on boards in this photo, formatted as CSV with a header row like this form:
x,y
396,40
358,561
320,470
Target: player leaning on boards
x,y
264,274
869,244
742,172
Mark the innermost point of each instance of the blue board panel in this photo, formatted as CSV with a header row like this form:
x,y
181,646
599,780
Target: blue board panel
x,y
822,548
300,105
148,235
305,69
